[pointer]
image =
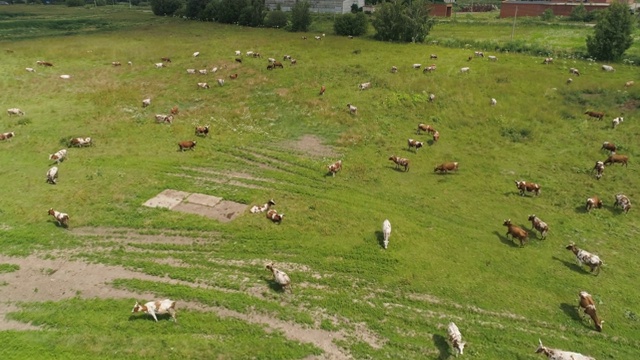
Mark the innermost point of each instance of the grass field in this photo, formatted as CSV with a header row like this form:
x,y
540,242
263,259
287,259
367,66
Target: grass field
x,y
448,258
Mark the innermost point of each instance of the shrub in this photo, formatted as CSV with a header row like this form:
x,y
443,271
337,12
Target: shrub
x,y
101,2
400,21
351,24
74,3
613,34
275,19
252,14
195,9
301,16
547,15
579,13
165,7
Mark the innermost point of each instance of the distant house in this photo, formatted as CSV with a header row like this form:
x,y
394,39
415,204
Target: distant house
x,y
511,8
318,6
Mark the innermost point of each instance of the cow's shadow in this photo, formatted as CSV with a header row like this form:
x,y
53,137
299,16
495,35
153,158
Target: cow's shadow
x,y
574,312
571,265
505,240
273,285
399,168
442,345
57,224
380,238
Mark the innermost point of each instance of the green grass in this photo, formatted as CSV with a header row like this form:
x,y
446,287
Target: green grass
x,y
448,258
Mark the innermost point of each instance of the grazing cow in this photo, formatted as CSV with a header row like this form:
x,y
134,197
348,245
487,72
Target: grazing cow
x,y
280,277
270,67
364,86
589,306
233,76
257,55
428,128
58,156
238,53
7,135
585,257
400,162
294,61
446,167
616,158
191,71
527,186
429,68
159,307
432,97
547,61
624,202
286,57
436,136
116,63
221,82
165,59
159,65
415,144
174,110
271,60
574,71
464,70
30,69
274,216
214,69
335,167
539,225
161,118
493,58
386,232
615,122
555,354
322,89
595,114
129,63
608,68
478,54
15,111
599,169
516,232
278,64
417,66
593,202
629,83
196,54
80,142
239,60
455,337
61,218
569,81
65,77
202,72
493,102
202,130
352,109
52,175
203,85
146,102
44,63
304,38
249,53
186,145
433,56
394,69
257,209
318,37
608,146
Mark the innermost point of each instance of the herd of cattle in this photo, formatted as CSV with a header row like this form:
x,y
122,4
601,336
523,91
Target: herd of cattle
x,y
586,302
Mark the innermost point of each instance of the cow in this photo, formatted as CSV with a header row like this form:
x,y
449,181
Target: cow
x,y
394,69
146,102
174,110
221,82
186,145
116,63
593,202
196,54
202,130
464,70
15,111
280,277
274,216
65,77
428,128
608,68
159,65
294,62
191,71
599,169
428,69
595,114
478,54
322,89
555,354
446,167
585,257
277,64
436,136
527,186
415,144
615,122
238,53
335,167
257,209
61,218
386,233
608,146
492,58
159,307
203,85
58,156
616,158
432,97
624,202
400,162
589,307
7,135
493,102
574,71
233,76
433,56
364,86
29,69
239,60
516,232
44,63
286,57
202,71
547,61
352,109
629,83
455,338
417,66
80,142
539,225
52,175
270,67
161,118
165,59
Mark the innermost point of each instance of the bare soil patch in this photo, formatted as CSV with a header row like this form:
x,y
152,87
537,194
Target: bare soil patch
x,y
200,204
311,145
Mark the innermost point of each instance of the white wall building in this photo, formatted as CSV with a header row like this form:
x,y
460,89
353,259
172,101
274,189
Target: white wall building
x,y
318,6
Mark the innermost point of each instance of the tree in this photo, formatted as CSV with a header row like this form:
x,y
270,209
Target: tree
x,y
403,21
612,35
165,7
195,9
301,16
252,14
351,24
276,19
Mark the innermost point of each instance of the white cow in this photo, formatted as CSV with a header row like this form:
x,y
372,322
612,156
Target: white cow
x,y
364,86
58,156
386,232
455,337
52,175
15,111
608,68
555,354
157,307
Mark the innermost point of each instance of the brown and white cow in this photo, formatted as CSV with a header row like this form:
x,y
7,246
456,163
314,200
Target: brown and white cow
x,y
352,109
52,175
595,114
415,144
274,216
589,307
556,354
7,135
599,169
608,146
593,202
516,232
278,64
616,158
174,110
58,156
161,118
15,111
61,218
539,225
527,186
202,130
446,167
186,145
335,167
436,136
623,201
399,161
585,257
547,61
116,63
166,59
159,307
80,142
428,128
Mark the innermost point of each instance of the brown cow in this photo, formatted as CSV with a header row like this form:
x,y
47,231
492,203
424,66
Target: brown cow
x,y
593,202
415,144
589,307
595,114
335,167
400,162
446,167
428,128
186,145
277,64
202,130
516,232
608,146
615,158
527,186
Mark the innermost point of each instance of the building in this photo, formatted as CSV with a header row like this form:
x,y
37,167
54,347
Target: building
x,y
511,8
318,6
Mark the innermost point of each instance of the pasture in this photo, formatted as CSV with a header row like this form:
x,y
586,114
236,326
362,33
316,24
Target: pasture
x,y
68,293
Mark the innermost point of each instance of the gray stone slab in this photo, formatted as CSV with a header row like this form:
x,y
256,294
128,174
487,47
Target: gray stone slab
x,y
202,199
167,199
229,210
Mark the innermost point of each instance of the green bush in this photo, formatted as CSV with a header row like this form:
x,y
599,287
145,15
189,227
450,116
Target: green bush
x,y
301,16
547,15
401,21
579,13
101,2
276,19
351,24
74,3
613,34
165,7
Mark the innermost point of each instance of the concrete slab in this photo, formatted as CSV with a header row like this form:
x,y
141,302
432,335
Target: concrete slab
x,y
201,199
229,210
167,199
